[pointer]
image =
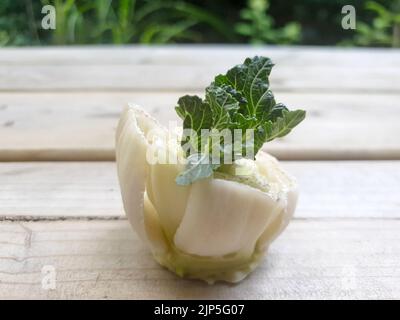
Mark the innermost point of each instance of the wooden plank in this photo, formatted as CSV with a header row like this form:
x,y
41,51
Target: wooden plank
x,y
54,190
305,78
199,54
350,259
192,68
343,189
81,125
38,190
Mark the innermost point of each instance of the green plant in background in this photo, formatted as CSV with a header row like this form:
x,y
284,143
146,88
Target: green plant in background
x,y
69,21
16,23
131,21
385,28
198,21
168,21
258,25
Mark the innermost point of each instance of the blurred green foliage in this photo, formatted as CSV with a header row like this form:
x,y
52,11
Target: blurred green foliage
x,y
258,25
384,29
130,21
197,21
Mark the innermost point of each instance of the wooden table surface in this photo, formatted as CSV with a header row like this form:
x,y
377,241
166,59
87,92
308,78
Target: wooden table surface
x,y
60,204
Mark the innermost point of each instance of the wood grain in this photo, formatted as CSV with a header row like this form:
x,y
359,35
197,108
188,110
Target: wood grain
x,y
104,259
192,68
198,54
177,78
81,125
54,190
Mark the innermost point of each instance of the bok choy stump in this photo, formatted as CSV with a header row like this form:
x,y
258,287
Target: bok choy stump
x,y
210,202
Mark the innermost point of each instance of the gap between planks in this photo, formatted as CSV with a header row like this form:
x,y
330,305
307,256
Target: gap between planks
x,y
293,154
18,219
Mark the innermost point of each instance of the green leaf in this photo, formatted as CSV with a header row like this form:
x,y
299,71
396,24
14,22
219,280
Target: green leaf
x,y
199,166
250,79
195,113
223,105
283,124
276,111
239,99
